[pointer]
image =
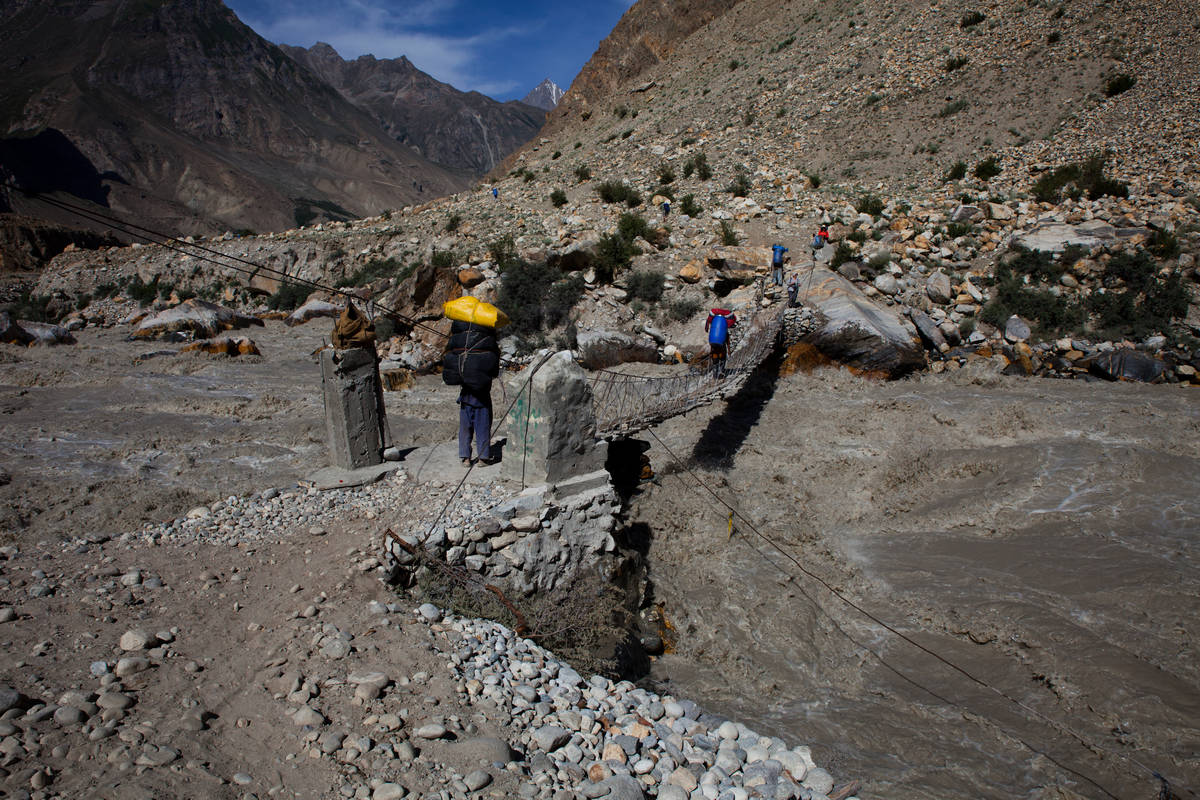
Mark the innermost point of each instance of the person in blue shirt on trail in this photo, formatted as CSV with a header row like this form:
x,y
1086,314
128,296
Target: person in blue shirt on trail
x,y
495,193
778,259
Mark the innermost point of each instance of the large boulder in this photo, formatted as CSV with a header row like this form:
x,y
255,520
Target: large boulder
x,y
11,331
857,332
604,348
198,317
579,254
938,287
1125,364
1054,237
930,333
225,346
312,309
736,259
47,334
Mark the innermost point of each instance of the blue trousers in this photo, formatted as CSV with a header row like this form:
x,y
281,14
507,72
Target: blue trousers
x,y
476,420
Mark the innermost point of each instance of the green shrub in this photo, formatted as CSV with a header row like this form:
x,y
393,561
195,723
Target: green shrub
x,y
970,19
1050,313
1146,304
288,296
503,252
645,285
370,272
36,307
1074,180
689,206
453,223
958,171
987,169
443,259
630,226
841,254
858,235
1119,84
869,204
728,234
734,64
582,173
785,43
613,254
957,229
556,155
613,191
665,173
748,118
1036,264
1163,244
814,180
534,295
1053,37
873,98
564,295
740,185
143,293
953,108
559,198
683,308
957,62
697,164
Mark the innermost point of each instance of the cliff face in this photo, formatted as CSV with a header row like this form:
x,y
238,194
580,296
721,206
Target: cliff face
x,y
649,33
462,131
192,120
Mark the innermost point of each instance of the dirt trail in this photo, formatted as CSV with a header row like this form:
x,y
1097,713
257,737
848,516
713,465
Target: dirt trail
x,y
1039,533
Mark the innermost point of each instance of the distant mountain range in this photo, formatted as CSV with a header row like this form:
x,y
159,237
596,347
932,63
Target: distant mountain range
x,y
545,95
458,130
176,114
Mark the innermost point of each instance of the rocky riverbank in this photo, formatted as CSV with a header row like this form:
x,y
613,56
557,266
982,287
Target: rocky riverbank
x,y
251,648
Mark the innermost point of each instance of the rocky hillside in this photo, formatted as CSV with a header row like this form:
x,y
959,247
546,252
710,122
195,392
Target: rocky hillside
x,y
1100,182
465,132
545,95
176,114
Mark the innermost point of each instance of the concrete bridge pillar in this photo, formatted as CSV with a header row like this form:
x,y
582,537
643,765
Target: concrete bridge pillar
x,y
551,427
355,420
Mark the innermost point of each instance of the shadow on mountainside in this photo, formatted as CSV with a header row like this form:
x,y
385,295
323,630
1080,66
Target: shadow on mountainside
x,y
725,433
50,162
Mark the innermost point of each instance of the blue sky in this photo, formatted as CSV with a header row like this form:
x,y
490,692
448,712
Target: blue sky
x,y
502,48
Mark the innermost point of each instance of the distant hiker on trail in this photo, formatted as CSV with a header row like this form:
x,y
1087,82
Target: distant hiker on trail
x,y
778,259
793,289
495,193
820,239
666,208
719,321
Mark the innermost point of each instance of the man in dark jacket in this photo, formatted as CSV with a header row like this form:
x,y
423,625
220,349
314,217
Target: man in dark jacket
x,y
472,361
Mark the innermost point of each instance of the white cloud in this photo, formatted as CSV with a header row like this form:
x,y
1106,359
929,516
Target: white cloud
x,y
360,27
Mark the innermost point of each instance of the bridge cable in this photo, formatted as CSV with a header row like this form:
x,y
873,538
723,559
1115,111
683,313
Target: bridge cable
x,y
1088,745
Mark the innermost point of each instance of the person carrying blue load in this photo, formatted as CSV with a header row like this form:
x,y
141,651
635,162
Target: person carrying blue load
x,y
719,321
778,259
